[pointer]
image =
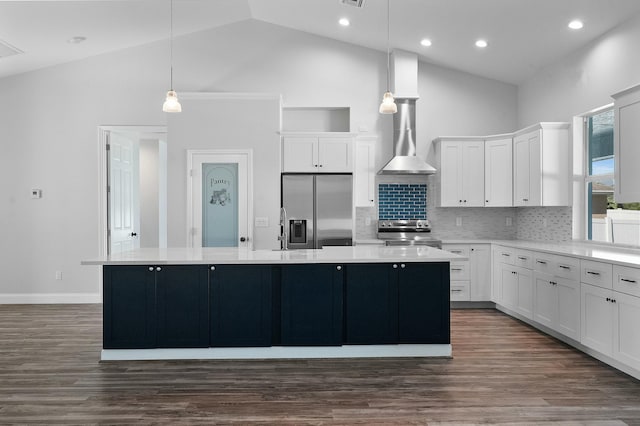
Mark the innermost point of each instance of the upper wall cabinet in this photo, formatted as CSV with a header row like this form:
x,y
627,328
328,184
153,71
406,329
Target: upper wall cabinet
x,y
542,166
364,174
330,152
460,172
626,136
498,172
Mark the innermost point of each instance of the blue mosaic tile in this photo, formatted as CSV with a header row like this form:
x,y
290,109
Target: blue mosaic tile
x,y
398,201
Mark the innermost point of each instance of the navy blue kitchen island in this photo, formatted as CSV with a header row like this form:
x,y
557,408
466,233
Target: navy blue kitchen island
x,y
237,303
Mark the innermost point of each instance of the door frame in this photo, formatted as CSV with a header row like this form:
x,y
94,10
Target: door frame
x,y
191,153
104,133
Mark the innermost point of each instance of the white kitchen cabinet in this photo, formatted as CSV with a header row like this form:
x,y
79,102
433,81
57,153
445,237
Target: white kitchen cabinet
x,y
470,279
557,304
524,278
626,137
318,153
460,173
365,173
542,166
498,172
598,313
480,272
626,338
512,285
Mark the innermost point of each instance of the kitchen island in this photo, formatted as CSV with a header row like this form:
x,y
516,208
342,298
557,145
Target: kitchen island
x,y
215,303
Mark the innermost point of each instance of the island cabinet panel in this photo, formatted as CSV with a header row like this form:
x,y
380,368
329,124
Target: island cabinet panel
x,y
241,305
371,304
129,309
423,303
183,306
311,311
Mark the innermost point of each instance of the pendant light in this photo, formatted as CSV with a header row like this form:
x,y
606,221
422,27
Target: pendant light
x,y
171,103
388,105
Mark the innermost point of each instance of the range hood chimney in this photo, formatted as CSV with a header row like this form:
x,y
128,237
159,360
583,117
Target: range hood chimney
x,y
405,90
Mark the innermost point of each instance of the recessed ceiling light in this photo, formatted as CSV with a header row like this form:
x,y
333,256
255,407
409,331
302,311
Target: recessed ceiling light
x,y
425,42
344,22
481,43
76,39
576,24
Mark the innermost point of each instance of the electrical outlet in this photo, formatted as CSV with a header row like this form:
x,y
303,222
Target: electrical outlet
x,y
509,221
458,221
262,222
59,275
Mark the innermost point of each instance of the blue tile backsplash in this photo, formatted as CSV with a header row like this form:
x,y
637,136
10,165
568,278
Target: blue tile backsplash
x,y
397,201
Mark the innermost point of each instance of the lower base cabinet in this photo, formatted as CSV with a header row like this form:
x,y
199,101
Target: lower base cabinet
x,y
241,305
183,308
311,311
188,306
397,303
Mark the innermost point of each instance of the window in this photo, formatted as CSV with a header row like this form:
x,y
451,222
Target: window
x,y
606,220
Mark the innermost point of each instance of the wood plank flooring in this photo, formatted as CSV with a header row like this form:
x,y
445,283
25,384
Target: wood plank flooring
x,y
503,372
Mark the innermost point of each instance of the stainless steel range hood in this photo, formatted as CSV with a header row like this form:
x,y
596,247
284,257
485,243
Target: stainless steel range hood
x,y
404,161
405,86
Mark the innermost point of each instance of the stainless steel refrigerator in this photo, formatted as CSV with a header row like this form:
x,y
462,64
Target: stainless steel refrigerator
x,y
319,210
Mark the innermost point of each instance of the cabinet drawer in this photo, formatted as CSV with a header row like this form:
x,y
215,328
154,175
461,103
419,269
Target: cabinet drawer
x,y
566,267
543,262
523,258
459,270
596,273
462,250
626,280
506,255
460,290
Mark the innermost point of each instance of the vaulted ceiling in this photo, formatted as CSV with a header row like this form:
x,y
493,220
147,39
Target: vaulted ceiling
x,y
523,35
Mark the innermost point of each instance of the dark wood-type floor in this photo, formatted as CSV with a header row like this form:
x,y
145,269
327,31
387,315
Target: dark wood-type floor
x,y
502,372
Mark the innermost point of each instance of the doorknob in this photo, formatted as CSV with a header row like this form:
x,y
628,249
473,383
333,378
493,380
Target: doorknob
x,y
134,234
243,239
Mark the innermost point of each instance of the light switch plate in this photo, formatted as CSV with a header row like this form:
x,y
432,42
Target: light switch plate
x,y
36,193
262,222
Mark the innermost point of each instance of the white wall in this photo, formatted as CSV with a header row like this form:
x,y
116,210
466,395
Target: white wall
x,y
50,118
149,232
583,80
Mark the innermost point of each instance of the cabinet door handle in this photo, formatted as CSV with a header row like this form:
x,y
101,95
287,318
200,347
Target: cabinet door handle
x,y
593,273
339,268
564,267
158,269
456,251
456,290
395,266
402,265
628,281
525,199
608,299
486,201
541,262
456,269
150,268
213,268
522,258
506,255
320,165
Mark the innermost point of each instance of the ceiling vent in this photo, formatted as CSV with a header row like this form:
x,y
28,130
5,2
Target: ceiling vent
x,y
355,3
8,50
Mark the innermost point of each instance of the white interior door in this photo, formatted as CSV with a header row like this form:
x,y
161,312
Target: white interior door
x,y
124,217
220,210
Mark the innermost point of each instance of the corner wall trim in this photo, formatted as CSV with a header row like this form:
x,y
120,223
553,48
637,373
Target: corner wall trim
x,y
49,298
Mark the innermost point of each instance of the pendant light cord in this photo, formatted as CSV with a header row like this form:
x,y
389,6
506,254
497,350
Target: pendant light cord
x,y
388,37
171,45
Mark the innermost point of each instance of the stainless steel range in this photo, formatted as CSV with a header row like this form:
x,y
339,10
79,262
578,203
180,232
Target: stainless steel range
x,y
407,233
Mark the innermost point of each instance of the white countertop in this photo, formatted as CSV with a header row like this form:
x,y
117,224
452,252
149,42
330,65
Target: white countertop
x,y
586,250
231,255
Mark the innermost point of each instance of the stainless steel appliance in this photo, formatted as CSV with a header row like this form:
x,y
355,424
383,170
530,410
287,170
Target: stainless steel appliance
x,y
407,233
319,210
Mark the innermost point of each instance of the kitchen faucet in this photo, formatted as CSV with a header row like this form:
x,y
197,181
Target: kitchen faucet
x,y
283,237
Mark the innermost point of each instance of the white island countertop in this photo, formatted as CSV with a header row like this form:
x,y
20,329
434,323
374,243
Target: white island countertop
x,y
233,255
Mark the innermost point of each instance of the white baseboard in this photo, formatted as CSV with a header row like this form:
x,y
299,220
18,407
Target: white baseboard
x,y
49,298
281,352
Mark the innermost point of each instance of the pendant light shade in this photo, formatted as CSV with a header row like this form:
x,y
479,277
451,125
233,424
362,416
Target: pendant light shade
x,y
388,105
171,103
